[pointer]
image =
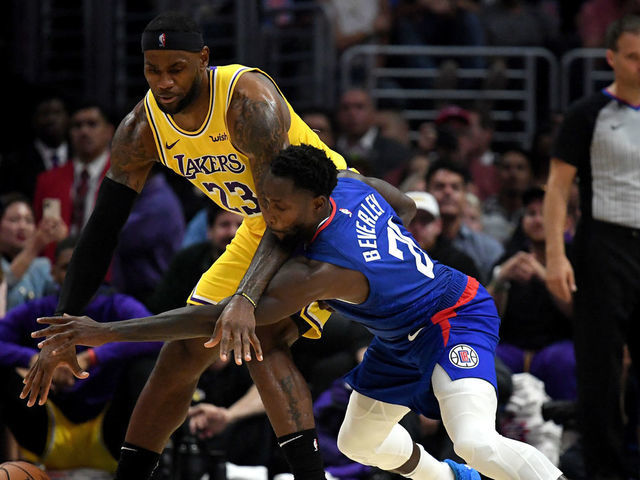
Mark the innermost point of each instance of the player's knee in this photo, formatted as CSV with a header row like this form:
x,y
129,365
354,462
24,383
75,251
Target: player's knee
x,y
352,448
183,360
277,337
475,446
356,443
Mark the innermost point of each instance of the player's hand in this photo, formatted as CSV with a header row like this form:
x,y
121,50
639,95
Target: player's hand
x,y
38,380
207,420
236,330
68,331
560,278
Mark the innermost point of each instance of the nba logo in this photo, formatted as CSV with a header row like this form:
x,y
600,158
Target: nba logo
x,y
162,40
463,356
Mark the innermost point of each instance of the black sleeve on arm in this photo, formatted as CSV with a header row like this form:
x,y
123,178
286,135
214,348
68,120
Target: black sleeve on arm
x,y
92,255
573,142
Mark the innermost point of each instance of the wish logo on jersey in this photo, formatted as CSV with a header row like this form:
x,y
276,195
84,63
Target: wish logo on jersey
x,y
463,356
208,164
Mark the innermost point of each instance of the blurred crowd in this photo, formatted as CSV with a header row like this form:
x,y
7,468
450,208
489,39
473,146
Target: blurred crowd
x,y
479,210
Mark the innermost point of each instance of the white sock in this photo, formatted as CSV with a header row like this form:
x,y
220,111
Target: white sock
x,y
429,468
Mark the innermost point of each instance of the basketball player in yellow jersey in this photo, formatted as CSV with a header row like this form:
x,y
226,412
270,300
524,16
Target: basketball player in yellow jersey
x,y
211,161
219,128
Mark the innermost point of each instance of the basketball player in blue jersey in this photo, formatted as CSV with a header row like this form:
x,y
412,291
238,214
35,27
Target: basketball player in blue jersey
x,y
435,328
219,128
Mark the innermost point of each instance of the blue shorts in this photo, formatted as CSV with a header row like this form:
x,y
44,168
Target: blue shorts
x,y
464,345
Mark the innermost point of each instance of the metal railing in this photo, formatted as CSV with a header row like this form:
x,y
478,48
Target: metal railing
x,y
514,106
299,53
589,66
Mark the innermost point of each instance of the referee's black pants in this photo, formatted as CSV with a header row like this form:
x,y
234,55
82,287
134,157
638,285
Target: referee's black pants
x,y
607,315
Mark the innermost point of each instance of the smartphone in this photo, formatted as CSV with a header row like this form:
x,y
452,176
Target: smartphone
x,y
51,208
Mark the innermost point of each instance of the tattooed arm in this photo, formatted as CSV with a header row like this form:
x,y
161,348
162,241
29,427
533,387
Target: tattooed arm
x,y
132,156
258,120
133,150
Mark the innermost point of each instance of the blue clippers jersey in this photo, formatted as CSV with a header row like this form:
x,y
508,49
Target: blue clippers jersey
x,y
406,288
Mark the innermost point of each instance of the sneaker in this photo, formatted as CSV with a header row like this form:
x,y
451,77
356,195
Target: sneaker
x,y
462,472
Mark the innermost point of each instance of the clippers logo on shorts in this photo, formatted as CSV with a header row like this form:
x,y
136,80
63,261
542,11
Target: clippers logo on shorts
x,y
463,356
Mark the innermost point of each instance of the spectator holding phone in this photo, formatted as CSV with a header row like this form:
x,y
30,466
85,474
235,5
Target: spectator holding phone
x,y
27,275
75,184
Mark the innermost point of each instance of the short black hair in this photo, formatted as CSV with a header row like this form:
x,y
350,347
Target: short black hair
x,y
87,103
13,197
531,195
173,21
70,242
45,95
308,167
626,24
515,148
445,164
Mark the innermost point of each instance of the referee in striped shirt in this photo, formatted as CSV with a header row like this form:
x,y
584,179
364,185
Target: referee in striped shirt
x,y
599,142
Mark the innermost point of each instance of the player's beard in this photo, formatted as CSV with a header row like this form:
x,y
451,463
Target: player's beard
x,y
298,235
186,101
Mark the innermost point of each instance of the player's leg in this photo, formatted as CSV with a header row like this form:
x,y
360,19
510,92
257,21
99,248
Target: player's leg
x,y
162,405
287,400
116,418
279,381
370,434
283,390
468,408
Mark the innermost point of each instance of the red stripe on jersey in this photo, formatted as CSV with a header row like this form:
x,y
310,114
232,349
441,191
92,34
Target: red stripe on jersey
x,y
442,317
327,220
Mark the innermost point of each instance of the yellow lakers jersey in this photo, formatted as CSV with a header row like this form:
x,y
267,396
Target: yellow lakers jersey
x,y
206,156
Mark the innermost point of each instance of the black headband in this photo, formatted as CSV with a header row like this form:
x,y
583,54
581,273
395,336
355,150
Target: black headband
x,y
159,40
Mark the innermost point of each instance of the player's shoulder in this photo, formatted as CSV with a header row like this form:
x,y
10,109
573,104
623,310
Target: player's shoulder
x,y
135,125
133,144
138,116
253,82
349,173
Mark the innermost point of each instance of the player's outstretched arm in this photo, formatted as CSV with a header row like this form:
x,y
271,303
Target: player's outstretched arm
x,y
178,324
298,283
64,333
295,286
258,120
404,206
